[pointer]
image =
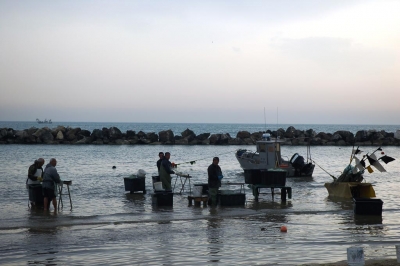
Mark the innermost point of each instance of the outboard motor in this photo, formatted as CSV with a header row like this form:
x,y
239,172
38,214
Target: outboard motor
x,y
297,161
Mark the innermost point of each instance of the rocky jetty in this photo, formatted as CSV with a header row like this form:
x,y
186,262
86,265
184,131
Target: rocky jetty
x,y
114,136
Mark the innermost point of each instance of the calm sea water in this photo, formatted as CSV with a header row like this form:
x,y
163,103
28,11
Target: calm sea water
x,y
107,226
198,128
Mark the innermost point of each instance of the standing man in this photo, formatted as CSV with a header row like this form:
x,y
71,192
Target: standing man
x,y
51,177
214,180
161,155
166,171
35,172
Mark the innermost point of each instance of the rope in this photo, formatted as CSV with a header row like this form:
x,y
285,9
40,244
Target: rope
x,y
194,161
334,178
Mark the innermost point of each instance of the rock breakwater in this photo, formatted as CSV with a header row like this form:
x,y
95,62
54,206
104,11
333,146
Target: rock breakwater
x,y
114,136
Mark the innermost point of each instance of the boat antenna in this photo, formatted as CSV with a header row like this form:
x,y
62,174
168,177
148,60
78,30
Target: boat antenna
x,y
277,111
265,121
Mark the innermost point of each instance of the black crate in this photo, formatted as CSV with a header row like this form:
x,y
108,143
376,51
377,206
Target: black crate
x,y
133,184
252,177
36,194
232,199
367,206
205,188
162,198
273,178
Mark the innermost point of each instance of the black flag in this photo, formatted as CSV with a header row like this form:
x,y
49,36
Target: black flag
x,y
362,163
386,159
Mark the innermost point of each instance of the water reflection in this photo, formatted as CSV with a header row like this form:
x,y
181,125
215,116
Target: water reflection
x,y
214,238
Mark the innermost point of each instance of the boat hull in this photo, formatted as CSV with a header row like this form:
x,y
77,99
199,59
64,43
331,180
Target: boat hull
x,y
349,190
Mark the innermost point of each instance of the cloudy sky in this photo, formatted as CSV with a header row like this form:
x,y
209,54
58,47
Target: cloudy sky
x,y
304,62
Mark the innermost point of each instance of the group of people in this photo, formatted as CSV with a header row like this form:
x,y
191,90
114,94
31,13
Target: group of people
x,y
214,175
49,177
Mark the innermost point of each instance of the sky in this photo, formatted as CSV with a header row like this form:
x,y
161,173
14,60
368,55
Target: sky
x,y
290,62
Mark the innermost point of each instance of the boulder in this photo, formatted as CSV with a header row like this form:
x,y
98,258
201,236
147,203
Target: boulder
x,y
98,142
214,138
166,136
115,133
324,136
130,134
106,133
346,135
31,130
256,136
224,139
236,141
249,141
141,135
21,134
152,137
310,133
203,136
290,132
85,133
60,135
97,134
182,141
188,134
121,142
3,133
243,135
47,137
84,140
361,136
336,137
72,133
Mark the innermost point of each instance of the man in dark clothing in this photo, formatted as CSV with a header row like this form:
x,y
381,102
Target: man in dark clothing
x,y
161,155
214,180
166,171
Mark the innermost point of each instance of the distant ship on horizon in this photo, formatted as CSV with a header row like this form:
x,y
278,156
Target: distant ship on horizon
x,y
45,121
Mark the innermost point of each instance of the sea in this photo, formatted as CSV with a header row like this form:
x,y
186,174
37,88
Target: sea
x,y
107,225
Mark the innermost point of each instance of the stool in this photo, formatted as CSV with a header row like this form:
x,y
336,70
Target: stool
x,y
60,192
198,200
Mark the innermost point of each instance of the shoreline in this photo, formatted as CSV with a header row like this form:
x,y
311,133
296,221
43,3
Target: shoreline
x,y
113,136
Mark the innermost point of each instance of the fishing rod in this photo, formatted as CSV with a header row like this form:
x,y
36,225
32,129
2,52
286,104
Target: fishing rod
x,y
194,161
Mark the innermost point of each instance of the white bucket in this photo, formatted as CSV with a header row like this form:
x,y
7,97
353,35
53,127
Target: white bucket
x,y
197,191
158,186
398,252
355,256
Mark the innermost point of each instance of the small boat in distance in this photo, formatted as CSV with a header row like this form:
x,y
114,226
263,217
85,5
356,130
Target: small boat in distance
x,y
45,121
268,157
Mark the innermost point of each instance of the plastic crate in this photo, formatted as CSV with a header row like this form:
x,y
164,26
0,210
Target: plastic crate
x,y
133,184
252,177
367,206
36,194
273,178
235,199
162,198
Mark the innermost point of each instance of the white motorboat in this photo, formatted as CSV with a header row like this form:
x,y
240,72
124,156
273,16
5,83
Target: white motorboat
x,y
268,157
